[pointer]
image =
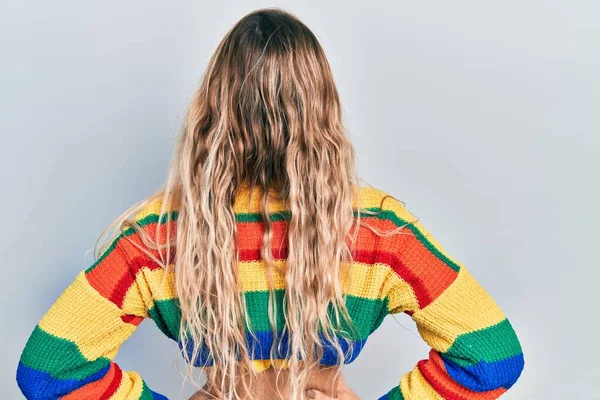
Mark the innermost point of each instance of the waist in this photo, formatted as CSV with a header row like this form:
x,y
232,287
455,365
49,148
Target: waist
x,y
274,383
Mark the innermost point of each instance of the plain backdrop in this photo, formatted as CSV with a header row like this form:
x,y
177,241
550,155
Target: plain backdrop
x,y
482,116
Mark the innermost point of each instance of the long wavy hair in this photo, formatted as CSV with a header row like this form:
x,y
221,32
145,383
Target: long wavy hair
x,y
267,116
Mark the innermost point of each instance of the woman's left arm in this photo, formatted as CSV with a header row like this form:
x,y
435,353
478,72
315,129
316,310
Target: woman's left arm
x,y
474,351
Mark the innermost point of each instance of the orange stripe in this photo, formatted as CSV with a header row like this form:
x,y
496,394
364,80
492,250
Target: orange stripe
x,y
435,372
433,275
113,276
112,269
250,235
114,385
94,390
428,275
132,319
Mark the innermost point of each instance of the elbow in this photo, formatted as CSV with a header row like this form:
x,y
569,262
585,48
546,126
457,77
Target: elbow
x,y
514,370
31,385
487,376
41,385
50,368
515,374
488,361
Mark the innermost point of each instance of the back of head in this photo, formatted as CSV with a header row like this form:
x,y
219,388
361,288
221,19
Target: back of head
x,y
267,111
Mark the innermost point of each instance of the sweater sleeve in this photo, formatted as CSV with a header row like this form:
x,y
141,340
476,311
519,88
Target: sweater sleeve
x,y
70,352
474,350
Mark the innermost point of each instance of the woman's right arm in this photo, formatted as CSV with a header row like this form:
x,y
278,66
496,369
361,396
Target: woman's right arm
x,y
70,353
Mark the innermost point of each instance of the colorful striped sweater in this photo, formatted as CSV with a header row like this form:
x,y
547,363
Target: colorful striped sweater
x,y
475,353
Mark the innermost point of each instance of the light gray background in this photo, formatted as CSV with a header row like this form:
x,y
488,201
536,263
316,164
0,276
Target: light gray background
x,y
482,118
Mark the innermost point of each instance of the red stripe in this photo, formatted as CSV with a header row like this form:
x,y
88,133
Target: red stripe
x,y
430,372
114,385
408,275
254,254
435,373
115,274
249,239
106,275
132,319
135,264
95,389
424,271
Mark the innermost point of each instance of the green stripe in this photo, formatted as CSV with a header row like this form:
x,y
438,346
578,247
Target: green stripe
x,y
257,217
390,215
166,314
153,218
495,343
59,357
382,314
287,214
365,313
146,392
257,306
105,254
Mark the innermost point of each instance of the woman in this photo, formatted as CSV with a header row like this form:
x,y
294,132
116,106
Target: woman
x,y
264,258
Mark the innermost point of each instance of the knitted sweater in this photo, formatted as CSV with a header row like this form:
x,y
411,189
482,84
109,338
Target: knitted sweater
x,y
475,353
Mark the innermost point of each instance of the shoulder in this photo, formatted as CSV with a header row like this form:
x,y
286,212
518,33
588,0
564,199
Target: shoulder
x,y
376,199
154,208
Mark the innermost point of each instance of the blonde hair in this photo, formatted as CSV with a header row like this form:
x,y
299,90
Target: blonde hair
x,y
267,115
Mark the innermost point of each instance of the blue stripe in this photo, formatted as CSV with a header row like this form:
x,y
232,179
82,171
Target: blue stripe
x,y
41,385
485,376
260,349
158,396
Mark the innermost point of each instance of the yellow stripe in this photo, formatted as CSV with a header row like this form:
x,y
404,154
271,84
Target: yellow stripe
x,y
153,206
374,281
96,334
131,386
415,386
369,197
249,202
401,296
373,198
370,281
149,288
465,306
136,300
